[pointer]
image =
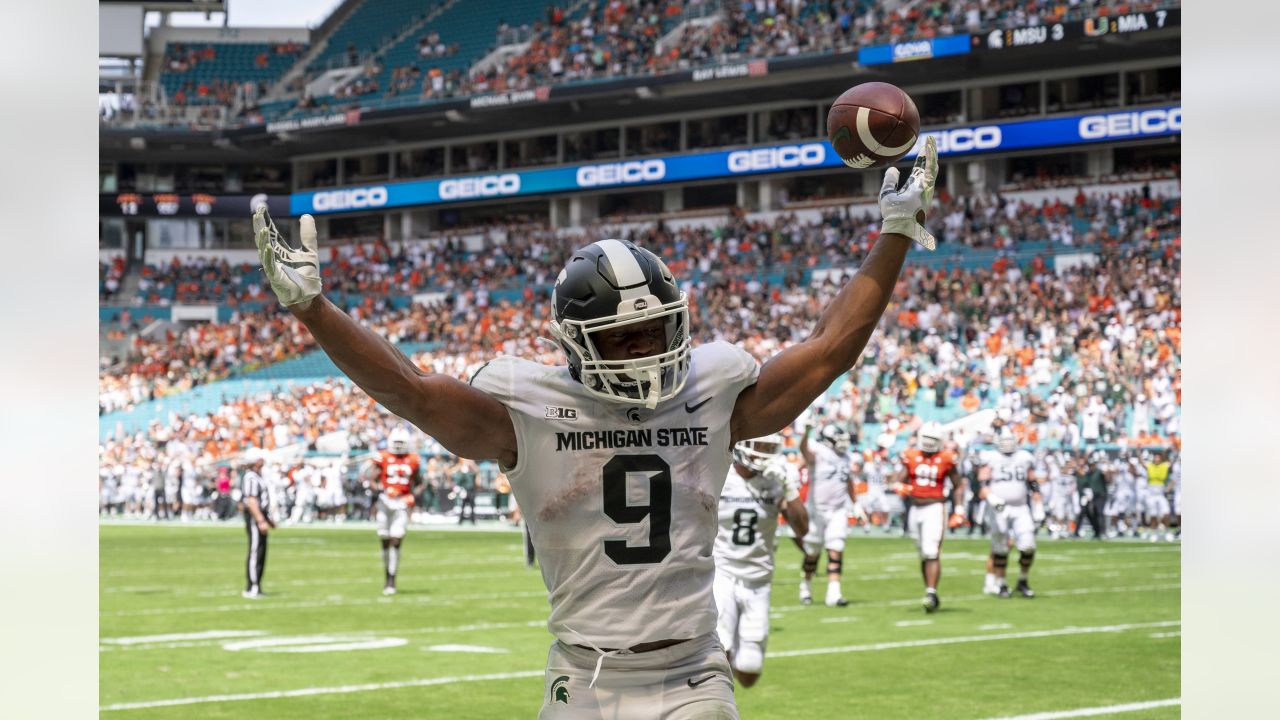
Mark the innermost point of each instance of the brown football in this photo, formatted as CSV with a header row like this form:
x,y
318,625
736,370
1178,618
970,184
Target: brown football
x,y
872,125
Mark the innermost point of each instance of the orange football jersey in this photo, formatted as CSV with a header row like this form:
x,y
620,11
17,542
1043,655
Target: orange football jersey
x,y
396,472
926,474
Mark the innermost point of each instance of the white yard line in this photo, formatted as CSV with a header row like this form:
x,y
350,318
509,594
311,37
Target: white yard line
x,y
873,647
1090,712
424,682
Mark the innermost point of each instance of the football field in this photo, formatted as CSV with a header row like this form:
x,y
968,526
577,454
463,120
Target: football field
x,y
466,636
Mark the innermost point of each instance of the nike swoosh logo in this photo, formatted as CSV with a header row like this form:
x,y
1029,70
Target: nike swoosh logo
x,y
690,408
693,684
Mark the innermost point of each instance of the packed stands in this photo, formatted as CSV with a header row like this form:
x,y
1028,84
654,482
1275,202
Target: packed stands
x,y
413,51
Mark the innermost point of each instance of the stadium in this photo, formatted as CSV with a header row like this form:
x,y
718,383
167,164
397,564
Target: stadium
x,y
454,157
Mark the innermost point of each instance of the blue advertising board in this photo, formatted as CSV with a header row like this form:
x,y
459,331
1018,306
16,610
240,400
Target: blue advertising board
x,y
914,50
788,157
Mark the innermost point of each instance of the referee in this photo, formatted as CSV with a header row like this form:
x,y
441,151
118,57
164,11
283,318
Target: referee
x,y
256,522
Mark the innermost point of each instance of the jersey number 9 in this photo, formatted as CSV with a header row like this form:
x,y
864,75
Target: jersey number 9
x,y
658,510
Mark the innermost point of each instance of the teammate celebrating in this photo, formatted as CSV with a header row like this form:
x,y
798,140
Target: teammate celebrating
x,y
831,498
618,459
926,470
395,476
757,489
1009,483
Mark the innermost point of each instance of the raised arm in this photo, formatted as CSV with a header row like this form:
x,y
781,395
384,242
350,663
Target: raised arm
x,y
466,421
793,378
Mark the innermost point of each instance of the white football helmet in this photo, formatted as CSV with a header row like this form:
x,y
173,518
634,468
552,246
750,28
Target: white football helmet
x,y
399,443
930,437
834,437
757,453
1006,441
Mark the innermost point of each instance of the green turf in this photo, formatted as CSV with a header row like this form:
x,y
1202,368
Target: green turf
x,y
471,588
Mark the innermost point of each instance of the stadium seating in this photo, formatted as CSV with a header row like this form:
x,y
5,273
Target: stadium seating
x,y
370,26
225,63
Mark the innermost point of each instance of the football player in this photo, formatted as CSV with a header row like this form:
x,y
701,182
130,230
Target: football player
x,y
394,474
617,458
926,472
1063,472
757,489
831,498
1158,508
1014,510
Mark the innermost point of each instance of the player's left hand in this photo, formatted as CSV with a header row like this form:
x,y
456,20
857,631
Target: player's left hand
x,y
904,210
294,274
957,521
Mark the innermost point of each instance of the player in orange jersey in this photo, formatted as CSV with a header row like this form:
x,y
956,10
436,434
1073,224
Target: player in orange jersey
x,y
921,482
396,475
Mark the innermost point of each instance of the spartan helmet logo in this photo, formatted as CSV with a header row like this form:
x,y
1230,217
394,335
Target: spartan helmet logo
x,y
560,690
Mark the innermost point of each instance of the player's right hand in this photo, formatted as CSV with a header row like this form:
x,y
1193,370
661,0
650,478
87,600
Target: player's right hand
x,y
294,274
264,527
904,209
957,521
997,502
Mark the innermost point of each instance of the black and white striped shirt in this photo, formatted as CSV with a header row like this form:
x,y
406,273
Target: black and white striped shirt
x,y
252,486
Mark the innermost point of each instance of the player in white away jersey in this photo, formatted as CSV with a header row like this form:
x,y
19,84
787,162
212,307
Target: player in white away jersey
x,y
1014,509
757,489
617,459
831,499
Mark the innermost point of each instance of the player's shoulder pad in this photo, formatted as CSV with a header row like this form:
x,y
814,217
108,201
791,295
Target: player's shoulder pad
x,y
500,377
727,363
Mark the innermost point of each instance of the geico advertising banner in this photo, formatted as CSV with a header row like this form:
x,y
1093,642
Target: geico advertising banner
x,y
967,140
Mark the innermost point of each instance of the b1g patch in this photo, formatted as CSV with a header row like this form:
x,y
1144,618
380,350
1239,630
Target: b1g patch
x,y
560,413
560,690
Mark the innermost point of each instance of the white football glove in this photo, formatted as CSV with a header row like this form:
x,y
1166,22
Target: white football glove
x,y
294,274
1037,512
996,502
904,209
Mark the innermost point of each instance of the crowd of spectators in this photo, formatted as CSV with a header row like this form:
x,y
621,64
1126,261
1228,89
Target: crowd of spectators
x,y
1067,356
530,254
620,38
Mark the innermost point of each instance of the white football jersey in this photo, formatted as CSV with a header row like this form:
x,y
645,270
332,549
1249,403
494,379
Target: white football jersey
x,y
828,478
621,500
748,531
1009,475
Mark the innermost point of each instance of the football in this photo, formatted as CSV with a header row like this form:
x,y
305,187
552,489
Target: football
x,y
872,125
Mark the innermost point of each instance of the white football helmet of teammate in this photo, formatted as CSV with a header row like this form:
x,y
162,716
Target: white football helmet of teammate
x,y
930,438
757,453
398,443
1006,441
835,437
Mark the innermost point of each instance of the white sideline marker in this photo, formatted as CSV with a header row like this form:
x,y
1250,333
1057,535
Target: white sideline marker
x,y
1089,712
426,682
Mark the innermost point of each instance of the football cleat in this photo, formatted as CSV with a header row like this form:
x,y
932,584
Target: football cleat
x,y
1003,591
1025,590
806,599
251,593
389,590
838,602
931,602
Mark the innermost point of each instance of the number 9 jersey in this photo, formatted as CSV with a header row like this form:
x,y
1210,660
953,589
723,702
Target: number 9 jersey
x,y
621,500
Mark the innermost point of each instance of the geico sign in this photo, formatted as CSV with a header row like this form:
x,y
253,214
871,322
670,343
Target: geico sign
x,y
1147,122
636,171
986,137
777,158
484,186
352,199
